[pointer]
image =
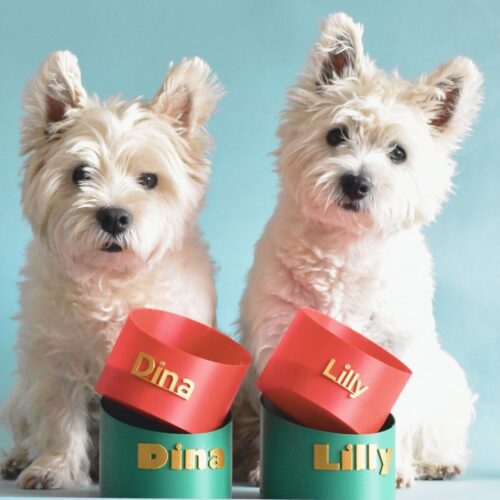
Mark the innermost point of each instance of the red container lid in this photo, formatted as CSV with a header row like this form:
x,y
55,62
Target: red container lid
x,y
170,367
327,376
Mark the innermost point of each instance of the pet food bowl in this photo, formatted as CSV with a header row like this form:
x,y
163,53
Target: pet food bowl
x,y
175,369
302,462
325,375
141,457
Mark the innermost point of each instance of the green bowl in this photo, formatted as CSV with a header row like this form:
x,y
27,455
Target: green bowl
x,y
141,457
301,462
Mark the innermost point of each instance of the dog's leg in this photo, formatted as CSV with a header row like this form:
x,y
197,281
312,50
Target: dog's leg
x,y
16,461
405,470
94,456
93,408
18,458
246,431
433,418
441,446
264,318
56,410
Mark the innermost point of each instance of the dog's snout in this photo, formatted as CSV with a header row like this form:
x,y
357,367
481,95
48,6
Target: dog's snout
x,y
355,186
113,220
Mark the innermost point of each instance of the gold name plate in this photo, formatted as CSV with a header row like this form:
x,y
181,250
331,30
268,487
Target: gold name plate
x,y
156,373
155,456
359,457
348,379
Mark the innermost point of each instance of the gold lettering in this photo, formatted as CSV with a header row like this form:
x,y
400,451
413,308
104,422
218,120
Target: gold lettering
x,y
196,459
346,458
353,458
360,457
353,381
360,388
174,378
151,456
158,371
185,389
155,456
176,457
385,458
168,380
348,379
326,371
216,460
372,456
340,380
321,455
136,369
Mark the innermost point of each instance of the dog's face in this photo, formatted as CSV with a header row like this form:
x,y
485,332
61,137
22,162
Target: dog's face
x,y
369,151
110,187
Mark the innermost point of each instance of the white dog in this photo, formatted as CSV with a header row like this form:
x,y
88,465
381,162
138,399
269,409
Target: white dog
x,y
365,162
111,190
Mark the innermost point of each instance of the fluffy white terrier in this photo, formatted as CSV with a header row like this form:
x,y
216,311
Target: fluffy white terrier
x,y
364,162
111,190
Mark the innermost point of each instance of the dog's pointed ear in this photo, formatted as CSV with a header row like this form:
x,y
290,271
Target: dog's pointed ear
x,y
338,53
451,96
53,93
188,95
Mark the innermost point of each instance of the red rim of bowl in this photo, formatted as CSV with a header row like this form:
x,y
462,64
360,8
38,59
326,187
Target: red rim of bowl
x,y
165,336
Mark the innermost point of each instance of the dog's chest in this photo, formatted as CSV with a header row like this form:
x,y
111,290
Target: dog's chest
x,y
101,312
342,283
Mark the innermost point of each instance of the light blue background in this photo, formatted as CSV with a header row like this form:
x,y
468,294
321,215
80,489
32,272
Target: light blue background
x,y
257,48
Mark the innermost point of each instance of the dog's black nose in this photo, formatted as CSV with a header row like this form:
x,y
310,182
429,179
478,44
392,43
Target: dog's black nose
x,y
113,220
354,186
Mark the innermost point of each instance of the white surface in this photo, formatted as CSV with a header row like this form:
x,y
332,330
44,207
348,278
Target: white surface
x,y
458,489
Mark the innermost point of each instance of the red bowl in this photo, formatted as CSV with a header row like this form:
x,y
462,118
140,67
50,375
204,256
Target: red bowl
x,y
170,367
327,376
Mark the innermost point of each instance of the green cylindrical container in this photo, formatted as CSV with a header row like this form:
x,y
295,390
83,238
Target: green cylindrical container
x,y
301,462
141,457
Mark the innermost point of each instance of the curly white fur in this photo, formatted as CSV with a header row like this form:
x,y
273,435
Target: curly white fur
x,y
74,295
368,268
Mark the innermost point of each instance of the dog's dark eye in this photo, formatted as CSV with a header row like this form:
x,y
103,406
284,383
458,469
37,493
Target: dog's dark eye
x,y
149,181
397,154
337,136
80,174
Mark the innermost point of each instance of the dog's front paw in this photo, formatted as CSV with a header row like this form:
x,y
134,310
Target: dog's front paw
x,y
13,466
438,472
37,477
405,478
254,476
